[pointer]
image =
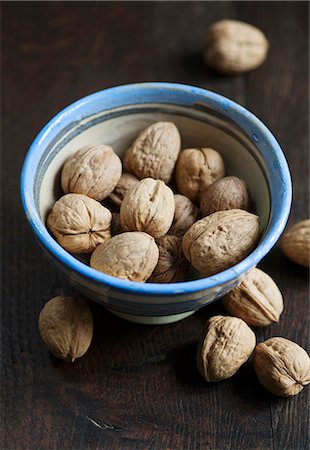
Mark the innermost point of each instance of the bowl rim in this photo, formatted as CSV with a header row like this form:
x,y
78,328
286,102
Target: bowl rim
x,y
241,116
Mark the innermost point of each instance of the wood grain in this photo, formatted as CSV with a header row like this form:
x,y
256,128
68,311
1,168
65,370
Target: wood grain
x,y
137,387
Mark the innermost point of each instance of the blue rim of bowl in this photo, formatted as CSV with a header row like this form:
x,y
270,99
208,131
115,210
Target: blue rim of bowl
x,y
247,121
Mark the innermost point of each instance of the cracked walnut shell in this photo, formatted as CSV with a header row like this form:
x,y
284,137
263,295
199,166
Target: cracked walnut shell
x,y
282,366
148,206
226,344
185,215
154,152
257,300
131,256
226,193
196,170
94,170
172,265
295,243
220,240
79,223
66,327
234,47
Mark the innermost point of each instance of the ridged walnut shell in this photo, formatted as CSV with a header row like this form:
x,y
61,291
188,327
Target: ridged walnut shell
x,y
185,215
234,47
66,327
94,170
220,240
79,223
131,256
226,193
154,152
226,344
172,265
196,170
149,207
282,366
126,182
295,243
116,225
257,300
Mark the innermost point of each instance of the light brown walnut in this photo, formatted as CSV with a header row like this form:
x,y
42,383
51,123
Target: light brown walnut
x,y
196,170
66,327
295,243
185,214
126,182
79,223
226,344
131,256
94,170
234,47
148,206
220,240
172,265
226,193
257,300
154,152
282,366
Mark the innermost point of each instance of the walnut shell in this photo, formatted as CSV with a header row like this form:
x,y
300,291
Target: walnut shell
x,y
220,240
234,47
172,265
126,182
154,152
131,256
116,225
196,170
295,243
226,193
66,327
148,206
185,214
282,366
226,344
94,170
257,300
79,223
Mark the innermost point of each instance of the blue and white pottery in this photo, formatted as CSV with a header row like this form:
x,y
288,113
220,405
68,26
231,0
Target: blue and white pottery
x,y
115,116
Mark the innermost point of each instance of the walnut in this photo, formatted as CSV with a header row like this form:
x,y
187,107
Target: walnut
x,y
131,256
79,223
226,344
196,170
234,47
257,300
220,240
148,206
154,152
282,366
94,170
66,327
116,225
225,193
172,265
126,181
295,243
185,214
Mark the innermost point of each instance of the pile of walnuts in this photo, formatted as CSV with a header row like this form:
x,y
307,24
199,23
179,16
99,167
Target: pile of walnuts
x,y
167,210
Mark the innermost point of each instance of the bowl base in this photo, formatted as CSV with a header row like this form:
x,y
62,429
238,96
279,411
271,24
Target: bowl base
x,y
150,320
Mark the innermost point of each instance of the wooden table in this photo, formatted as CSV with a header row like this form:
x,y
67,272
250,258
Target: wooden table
x,y
137,387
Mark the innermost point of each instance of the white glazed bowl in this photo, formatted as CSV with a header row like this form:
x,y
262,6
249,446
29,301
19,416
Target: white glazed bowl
x,y
115,116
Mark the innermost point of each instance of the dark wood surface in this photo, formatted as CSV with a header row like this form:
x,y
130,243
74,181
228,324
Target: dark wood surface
x,y
137,387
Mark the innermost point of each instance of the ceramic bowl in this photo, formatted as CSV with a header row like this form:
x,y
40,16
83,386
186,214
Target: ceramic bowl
x,y
115,116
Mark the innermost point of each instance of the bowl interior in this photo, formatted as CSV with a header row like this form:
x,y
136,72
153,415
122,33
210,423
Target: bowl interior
x,y
119,127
